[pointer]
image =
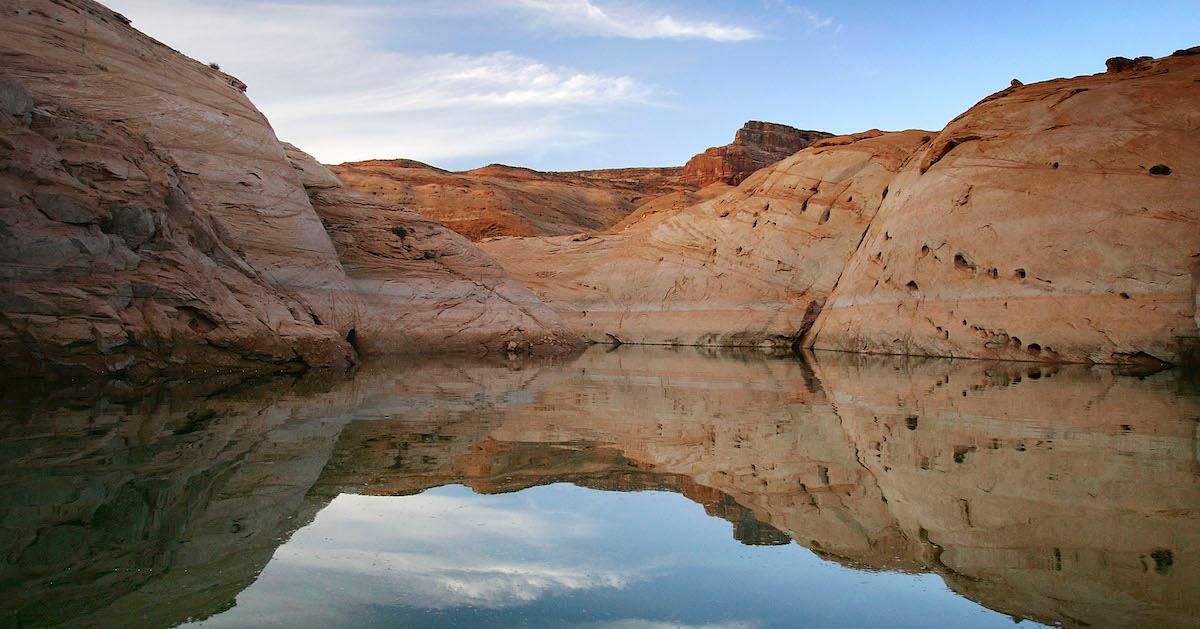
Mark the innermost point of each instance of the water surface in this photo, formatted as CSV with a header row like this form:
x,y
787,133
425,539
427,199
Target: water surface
x,y
638,487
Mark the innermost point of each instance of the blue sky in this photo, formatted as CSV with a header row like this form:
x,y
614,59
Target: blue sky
x,y
571,84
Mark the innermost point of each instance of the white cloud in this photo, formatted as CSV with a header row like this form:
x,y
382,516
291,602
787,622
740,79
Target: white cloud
x,y
815,20
586,17
328,81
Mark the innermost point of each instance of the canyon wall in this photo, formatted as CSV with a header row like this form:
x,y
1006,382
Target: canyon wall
x,y
753,266
1054,222
151,223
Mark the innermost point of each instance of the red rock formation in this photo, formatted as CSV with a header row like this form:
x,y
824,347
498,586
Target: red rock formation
x,y
500,200
756,145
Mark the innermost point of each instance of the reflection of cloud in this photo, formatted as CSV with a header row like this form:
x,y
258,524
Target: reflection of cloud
x,y
329,79
436,551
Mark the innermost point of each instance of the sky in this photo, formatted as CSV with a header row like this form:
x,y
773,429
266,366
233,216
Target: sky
x,y
576,84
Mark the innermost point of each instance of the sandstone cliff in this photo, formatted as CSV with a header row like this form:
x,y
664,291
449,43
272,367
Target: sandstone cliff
x,y
1053,221
755,146
502,200
150,221
752,266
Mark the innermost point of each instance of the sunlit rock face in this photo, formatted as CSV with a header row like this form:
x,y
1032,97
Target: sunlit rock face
x,y
751,267
147,214
1061,494
756,145
1055,221
499,200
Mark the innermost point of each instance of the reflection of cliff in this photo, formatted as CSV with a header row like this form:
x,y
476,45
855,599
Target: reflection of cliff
x,y
1064,495
148,513
1060,494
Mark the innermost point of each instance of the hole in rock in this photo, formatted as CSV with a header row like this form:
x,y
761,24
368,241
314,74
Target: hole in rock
x,y
911,285
1160,169
961,263
1020,273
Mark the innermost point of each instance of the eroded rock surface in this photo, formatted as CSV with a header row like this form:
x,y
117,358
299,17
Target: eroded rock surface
x,y
151,223
1053,221
750,267
148,218
756,145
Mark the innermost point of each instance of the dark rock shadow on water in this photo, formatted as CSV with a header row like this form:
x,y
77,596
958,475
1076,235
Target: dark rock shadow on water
x,y
1063,494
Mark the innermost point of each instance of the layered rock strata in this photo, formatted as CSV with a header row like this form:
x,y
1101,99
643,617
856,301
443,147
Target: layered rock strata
x,y
502,200
756,145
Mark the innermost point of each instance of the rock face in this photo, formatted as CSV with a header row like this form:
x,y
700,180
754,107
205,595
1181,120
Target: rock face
x,y
147,215
420,286
1053,221
756,145
750,267
151,223
502,200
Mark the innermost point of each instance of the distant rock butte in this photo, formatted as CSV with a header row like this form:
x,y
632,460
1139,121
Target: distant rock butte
x,y
151,223
755,146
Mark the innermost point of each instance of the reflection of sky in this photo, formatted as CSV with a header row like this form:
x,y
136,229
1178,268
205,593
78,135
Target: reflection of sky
x,y
563,555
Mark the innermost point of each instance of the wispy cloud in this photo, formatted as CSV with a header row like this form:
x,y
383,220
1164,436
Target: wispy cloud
x,y
328,78
815,21
587,17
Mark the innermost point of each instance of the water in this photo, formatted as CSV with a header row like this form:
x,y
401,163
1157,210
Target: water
x,y
641,487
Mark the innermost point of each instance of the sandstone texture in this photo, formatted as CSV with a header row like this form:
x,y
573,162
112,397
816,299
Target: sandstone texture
x,y
500,200
756,145
148,217
1054,221
151,222
420,286
753,266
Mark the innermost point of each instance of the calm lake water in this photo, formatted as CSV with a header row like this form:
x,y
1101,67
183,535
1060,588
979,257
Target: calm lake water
x,y
635,487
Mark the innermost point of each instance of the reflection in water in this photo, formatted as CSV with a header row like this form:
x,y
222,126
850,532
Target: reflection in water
x,y
1065,495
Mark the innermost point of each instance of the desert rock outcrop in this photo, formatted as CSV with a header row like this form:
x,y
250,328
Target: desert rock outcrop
x,y
750,267
1053,221
755,146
